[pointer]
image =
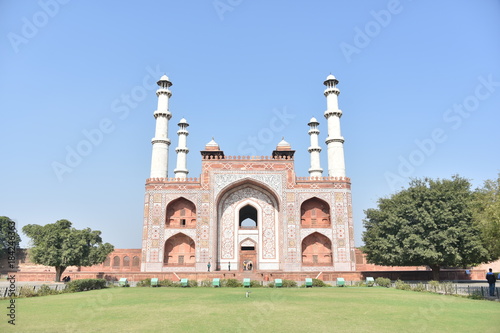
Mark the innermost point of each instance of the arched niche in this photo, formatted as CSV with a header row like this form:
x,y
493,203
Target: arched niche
x,y
181,213
317,250
179,251
315,213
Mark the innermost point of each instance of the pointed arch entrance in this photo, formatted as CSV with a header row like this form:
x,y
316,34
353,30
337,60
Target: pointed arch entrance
x,y
248,255
247,212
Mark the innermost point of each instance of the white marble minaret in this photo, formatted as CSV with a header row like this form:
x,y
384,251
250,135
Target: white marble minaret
x,y
181,171
159,158
315,169
334,141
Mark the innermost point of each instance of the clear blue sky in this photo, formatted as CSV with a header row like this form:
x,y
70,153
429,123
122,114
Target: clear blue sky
x,y
419,82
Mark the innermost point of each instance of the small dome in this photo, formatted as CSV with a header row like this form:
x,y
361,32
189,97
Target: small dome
x,y
283,143
212,143
313,120
183,121
164,81
331,77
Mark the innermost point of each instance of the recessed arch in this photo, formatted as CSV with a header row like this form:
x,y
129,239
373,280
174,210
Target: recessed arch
x,y
179,251
116,261
315,213
181,213
136,262
263,187
317,250
126,261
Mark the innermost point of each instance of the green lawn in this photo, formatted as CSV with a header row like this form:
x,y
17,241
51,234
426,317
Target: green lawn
x,y
267,310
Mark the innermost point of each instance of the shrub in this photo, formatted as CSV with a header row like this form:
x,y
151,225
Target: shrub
x,y
359,284
169,283
419,287
402,285
476,294
232,283
434,284
255,284
144,283
86,284
383,282
45,290
27,291
448,288
319,283
289,284
192,283
270,285
370,283
206,283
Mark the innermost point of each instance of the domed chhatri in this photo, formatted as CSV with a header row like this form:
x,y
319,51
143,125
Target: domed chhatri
x,y
164,82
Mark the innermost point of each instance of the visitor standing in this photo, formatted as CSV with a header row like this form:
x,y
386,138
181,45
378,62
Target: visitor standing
x,y
229,266
491,280
209,265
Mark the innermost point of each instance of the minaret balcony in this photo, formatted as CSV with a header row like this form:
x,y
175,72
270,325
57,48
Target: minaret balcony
x,y
329,140
163,91
165,141
332,90
336,113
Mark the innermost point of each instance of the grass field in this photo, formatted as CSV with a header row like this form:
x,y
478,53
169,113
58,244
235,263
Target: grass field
x,y
267,310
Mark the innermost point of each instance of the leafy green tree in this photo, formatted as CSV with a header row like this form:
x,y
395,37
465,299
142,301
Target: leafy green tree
x,y
9,239
487,216
59,245
429,223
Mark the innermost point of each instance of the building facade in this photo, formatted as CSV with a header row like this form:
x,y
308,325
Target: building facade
x,y
248,213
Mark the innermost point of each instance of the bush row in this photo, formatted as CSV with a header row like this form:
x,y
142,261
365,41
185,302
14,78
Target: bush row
x,y
86,284
227,283
71,287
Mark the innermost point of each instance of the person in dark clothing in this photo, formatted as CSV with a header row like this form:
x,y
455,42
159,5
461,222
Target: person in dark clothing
x,y
491,280
208,266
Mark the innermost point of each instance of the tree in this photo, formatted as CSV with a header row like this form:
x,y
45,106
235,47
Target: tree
x,y
429,223
59,245
486,214
9,239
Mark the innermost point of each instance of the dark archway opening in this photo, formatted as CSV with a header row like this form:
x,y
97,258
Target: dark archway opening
x,y
248,217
